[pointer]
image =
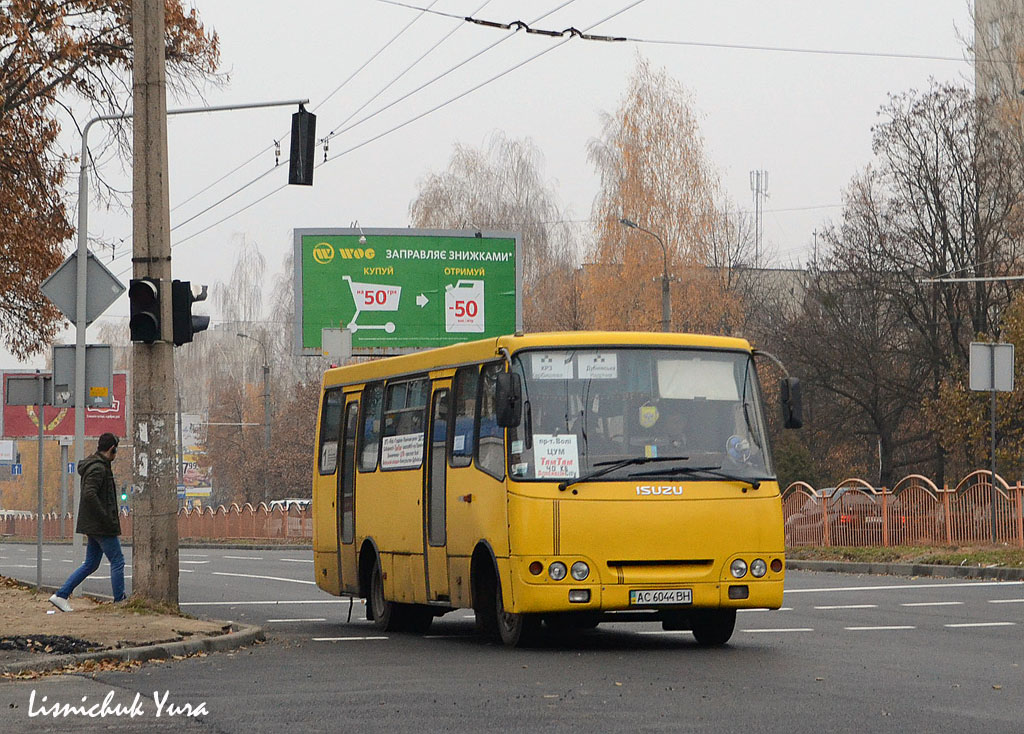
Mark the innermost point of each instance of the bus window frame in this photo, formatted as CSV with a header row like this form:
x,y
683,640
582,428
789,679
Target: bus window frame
x,y
477,423
361,437
328,393
424,418
463,461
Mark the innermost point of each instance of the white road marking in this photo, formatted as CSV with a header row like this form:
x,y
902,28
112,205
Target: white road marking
x,y
1006,601
894,587
346,639
849,606
469,616
268,578
782,629
780,609
665,632
279,601
197,555
881,628
933,604
299,619
195,562
244,558
983,624
296,560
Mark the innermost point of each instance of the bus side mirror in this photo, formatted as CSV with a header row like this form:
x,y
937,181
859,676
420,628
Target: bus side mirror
x,y
509,398
792,405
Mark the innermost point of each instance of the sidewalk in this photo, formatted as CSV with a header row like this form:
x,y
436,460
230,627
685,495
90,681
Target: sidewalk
x,y
35,636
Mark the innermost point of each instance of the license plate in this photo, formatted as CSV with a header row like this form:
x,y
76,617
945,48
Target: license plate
x,y
648,597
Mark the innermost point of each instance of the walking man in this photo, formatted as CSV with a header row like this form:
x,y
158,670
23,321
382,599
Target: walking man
x,y
98,520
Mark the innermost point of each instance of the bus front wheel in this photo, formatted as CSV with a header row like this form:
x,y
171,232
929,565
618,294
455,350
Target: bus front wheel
x,y
713,627
515,630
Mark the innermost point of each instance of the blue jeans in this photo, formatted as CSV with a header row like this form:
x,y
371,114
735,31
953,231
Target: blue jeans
x,y
98,546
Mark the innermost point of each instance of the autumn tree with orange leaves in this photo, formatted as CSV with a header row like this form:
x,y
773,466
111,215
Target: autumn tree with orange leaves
x,y
654,171
53,55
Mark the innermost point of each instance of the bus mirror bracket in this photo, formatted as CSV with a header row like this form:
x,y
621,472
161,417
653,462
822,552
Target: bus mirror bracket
x,y
509,394
792,404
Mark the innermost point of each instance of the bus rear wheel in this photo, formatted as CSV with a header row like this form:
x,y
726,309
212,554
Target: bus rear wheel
x,y
713,627
380,610
390,616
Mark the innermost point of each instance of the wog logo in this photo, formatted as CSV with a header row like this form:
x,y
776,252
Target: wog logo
x,y
323,253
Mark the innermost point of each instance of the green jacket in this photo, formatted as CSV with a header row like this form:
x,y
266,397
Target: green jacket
x,y
97,509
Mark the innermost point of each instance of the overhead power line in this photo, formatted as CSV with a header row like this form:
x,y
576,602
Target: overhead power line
x,y
407,122
573,32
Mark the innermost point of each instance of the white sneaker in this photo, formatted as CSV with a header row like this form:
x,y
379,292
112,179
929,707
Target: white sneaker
x,y
61,603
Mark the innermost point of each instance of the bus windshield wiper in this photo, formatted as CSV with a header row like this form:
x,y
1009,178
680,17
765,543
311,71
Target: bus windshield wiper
x,y
607,467
712,470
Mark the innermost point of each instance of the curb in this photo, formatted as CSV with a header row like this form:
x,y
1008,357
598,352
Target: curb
x,y
240,636
909,569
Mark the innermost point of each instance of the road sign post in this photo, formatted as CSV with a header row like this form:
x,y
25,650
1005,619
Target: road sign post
x,y
991,369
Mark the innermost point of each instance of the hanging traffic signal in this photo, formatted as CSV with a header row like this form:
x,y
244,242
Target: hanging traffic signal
x,y
300,161
144,301
186,323
124,495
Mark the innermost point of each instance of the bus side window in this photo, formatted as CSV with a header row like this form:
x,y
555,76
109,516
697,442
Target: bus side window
x,y
491,437
330,426
461,446
369,435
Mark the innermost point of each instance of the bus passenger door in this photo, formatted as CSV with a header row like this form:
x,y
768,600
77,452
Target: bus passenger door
x,y
346,504
435,511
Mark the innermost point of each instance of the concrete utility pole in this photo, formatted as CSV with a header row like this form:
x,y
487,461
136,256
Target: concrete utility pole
x,y
155,528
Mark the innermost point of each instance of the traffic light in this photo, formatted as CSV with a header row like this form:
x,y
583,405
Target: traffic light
x,y
185,322
124,495
144,300
300,161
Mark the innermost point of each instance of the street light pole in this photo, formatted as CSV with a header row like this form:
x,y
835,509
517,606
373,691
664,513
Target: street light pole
x,y
266,390
666,303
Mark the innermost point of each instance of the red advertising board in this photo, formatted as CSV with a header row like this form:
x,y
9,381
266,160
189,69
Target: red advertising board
x,y
22,421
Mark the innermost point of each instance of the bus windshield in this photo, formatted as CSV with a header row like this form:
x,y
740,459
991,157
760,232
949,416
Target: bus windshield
x,y
584,409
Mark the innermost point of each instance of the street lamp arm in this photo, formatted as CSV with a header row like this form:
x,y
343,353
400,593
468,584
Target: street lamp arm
x,y
666,307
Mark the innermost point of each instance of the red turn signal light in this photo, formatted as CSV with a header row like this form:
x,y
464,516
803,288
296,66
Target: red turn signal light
x,y
536,568
776,565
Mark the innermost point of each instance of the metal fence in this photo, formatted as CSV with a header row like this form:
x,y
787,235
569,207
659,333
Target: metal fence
x,y
236,522
914,512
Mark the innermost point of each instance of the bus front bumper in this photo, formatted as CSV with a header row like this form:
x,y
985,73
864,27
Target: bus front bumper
x,y
538,596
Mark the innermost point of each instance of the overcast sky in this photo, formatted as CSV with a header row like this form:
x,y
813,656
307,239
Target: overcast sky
x,y
804,117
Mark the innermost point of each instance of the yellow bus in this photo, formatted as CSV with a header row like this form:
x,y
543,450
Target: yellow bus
x,y
552,480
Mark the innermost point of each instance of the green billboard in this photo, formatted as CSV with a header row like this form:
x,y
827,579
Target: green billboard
x,y
405,288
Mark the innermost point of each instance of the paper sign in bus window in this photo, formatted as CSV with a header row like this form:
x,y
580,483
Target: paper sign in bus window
x,y
464,306
402,452
551,365
596,366
556,457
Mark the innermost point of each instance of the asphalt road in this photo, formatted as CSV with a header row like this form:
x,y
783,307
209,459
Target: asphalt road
x,y
845,654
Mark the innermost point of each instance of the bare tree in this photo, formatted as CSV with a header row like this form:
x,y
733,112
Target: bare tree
x,y
501,187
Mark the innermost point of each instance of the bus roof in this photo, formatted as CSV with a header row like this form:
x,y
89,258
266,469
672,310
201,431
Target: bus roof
x,y
486,349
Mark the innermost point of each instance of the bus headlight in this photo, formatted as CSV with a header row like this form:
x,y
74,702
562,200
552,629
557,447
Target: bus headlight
x,y
738,569
758,568
557,571
580,570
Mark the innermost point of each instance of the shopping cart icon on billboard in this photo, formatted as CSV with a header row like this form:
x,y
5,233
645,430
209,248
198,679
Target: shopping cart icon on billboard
x,y
373,297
